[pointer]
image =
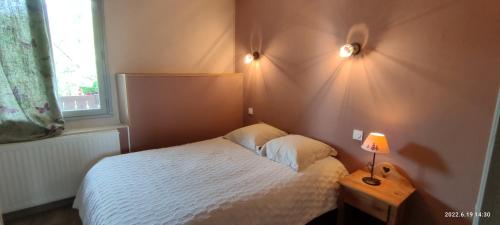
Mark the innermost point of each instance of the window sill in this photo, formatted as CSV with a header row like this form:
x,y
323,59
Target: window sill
x,y
93,129
86,117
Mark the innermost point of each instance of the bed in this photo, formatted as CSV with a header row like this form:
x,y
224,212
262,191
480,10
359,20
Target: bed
x,y
209,182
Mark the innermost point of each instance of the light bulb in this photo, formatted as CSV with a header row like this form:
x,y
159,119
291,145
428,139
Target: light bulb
x,y
346,51
349,50
249,58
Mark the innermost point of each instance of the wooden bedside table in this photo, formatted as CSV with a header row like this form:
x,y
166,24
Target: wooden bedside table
x,y
383,202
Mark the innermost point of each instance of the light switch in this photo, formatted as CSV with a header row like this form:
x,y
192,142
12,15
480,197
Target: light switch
x,y
357,135
250,111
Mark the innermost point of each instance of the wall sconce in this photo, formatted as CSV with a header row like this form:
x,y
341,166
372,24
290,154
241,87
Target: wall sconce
x,y
349,50
249,58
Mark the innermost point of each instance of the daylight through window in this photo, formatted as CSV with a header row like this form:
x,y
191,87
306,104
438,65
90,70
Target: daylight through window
x,y
74,45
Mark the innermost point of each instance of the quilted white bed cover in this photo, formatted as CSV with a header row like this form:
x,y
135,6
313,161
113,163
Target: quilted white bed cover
x,y
210,182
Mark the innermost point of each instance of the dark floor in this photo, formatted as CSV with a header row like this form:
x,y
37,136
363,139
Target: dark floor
x,y
354,216
60,216
65,215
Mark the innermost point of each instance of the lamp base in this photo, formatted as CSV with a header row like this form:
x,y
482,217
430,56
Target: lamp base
x,y
371,181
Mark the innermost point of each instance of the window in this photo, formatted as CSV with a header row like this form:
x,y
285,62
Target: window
x,y
78,49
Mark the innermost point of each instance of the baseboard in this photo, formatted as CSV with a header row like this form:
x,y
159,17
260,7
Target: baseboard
x,y
36,210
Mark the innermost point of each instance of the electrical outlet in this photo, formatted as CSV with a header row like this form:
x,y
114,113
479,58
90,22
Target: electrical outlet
x,y
250,111
357,135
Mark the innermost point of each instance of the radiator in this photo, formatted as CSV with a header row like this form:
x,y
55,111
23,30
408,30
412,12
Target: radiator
x,y
39,172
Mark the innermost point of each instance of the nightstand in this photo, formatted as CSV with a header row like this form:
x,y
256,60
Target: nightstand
x,y
384,202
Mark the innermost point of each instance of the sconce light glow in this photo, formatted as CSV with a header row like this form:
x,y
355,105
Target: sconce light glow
x,y
349,50
249,58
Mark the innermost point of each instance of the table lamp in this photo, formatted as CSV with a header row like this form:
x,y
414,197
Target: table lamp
x,y
376,143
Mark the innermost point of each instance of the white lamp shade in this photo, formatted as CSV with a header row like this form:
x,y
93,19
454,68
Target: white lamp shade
x,y
377,143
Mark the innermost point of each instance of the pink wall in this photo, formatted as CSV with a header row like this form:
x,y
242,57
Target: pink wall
x,y
161,36
173,109
427,77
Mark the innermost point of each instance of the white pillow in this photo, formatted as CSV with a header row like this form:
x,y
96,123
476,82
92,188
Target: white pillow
x,y
254,136
296,151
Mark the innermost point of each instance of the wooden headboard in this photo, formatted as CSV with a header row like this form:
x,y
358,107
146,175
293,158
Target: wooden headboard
x,y
170,109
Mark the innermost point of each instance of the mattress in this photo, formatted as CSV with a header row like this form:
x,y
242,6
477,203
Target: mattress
x,y
208,182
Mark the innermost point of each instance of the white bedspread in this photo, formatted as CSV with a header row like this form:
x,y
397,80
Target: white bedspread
x,y
210,182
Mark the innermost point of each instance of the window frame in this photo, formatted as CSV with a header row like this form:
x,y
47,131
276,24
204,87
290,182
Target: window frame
x,y
103,78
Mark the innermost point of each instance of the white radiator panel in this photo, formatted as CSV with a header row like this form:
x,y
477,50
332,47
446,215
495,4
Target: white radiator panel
x,y
39,172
